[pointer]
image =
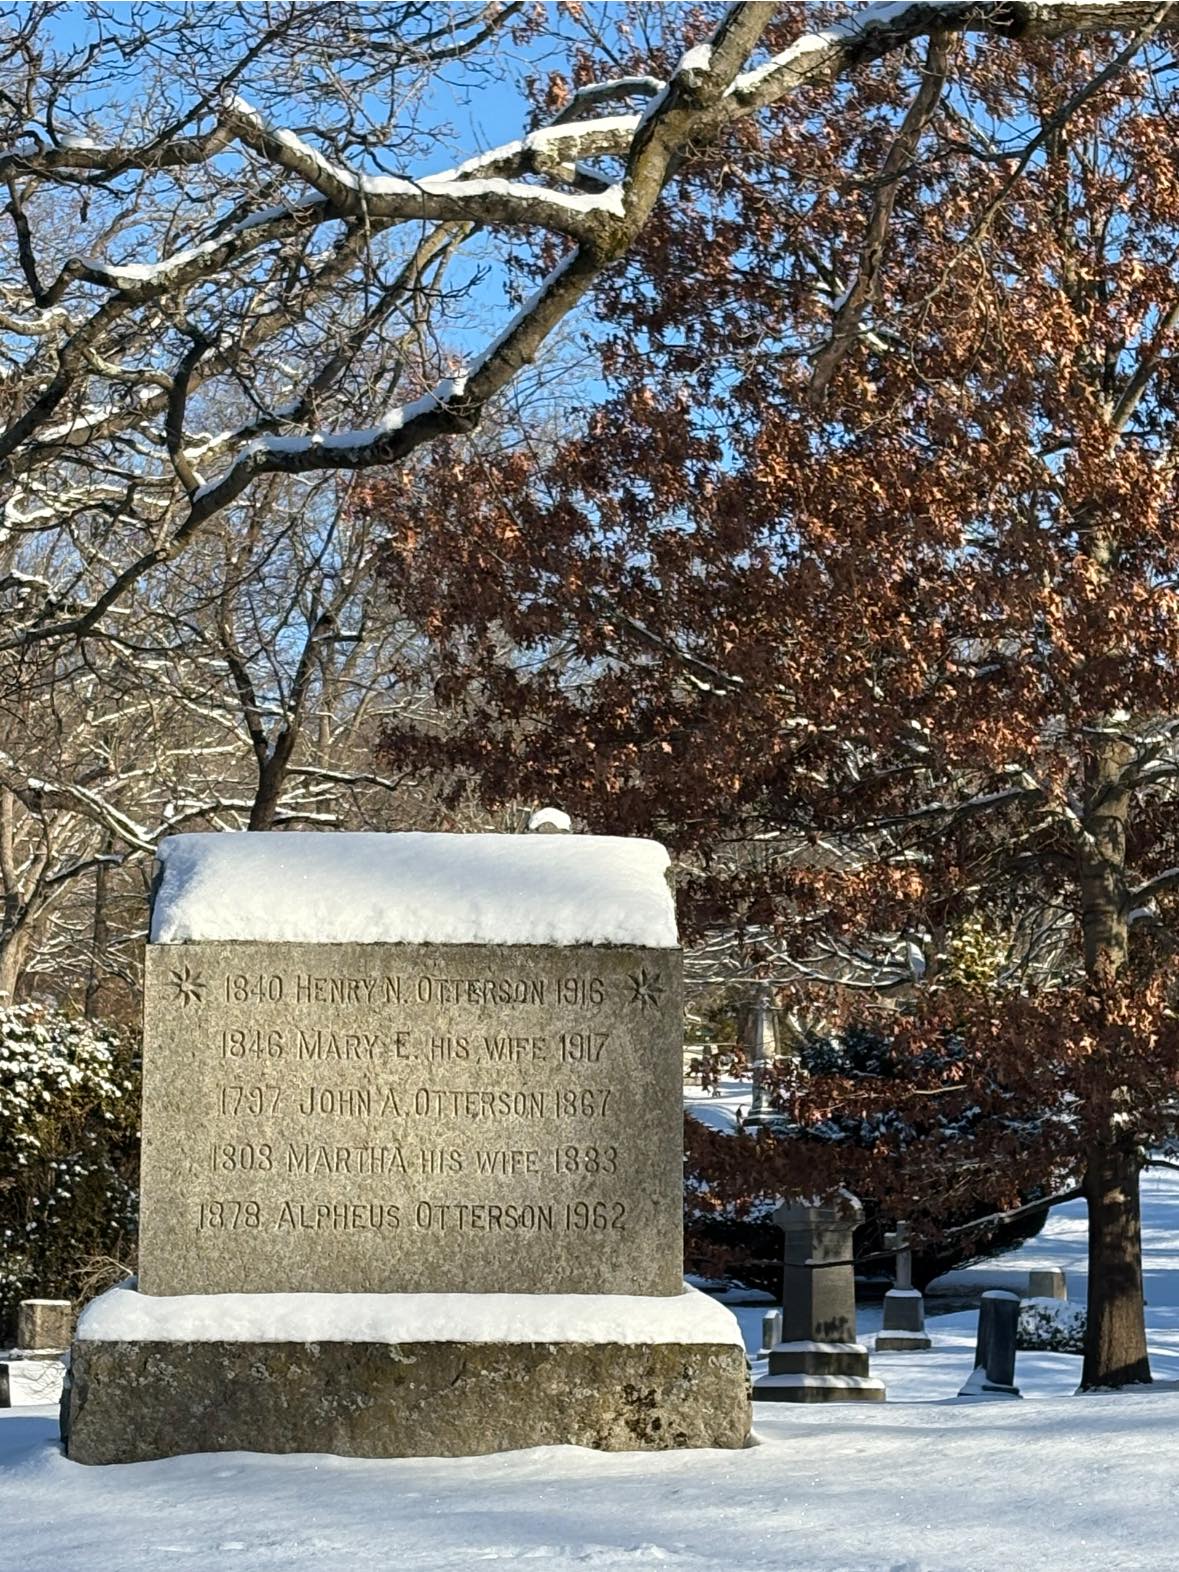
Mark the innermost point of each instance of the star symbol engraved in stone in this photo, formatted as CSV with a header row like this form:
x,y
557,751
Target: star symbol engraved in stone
x,y
648,990
189,986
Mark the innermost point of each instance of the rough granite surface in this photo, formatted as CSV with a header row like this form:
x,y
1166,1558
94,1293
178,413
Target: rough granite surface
x,y
130,1402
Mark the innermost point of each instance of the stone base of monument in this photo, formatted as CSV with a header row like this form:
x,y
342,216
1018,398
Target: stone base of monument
x,y
402,1375
902,1342
813,1372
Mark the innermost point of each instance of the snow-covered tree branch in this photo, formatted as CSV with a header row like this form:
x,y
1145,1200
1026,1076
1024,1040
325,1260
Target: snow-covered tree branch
x,y
238,272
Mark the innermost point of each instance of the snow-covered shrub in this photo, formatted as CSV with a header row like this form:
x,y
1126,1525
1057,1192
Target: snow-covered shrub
x,y
1051,1326
69,1109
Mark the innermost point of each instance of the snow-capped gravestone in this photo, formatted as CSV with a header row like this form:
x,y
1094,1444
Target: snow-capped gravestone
x,y
492,1116
818,1359
401,1068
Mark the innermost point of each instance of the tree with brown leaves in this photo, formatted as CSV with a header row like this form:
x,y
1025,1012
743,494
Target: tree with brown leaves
x,y
860,586
199,293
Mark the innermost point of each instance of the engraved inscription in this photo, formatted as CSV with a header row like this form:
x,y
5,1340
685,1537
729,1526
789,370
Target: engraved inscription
x,y
393,1118
256,1100
355,1161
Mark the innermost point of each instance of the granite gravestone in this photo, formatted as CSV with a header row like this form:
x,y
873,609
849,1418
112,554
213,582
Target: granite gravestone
x,y
993,1375
902,1329
407,1119
44,1325
405,1067
818,1359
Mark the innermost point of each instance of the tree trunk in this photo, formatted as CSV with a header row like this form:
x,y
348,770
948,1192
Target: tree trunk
x,y
11,925
99,939
1115,1337
13,947
266,797
272,778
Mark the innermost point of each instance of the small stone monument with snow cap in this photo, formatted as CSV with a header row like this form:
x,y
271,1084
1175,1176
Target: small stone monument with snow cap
x,y
818,1359
412,1159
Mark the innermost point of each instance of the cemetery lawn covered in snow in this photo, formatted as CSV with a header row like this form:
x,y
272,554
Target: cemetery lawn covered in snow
x,y
922,1482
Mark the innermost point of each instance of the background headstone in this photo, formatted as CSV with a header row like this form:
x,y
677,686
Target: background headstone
x,y
759,1038
44,1325
994,1357
903,1325
818,1359
1047,1283
771,1330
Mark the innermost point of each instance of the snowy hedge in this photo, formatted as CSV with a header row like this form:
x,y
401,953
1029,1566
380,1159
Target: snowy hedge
x,y
69,1109
1051,1326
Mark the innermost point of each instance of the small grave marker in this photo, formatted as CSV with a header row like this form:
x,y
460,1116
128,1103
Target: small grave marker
x,y
903,1327
994,1357
818,1359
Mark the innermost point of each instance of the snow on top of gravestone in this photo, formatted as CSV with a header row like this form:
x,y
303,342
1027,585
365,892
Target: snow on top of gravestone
x,y
413,887
550,819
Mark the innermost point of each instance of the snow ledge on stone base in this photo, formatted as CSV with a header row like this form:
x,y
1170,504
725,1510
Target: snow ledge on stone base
x,y
804,1345
124,1315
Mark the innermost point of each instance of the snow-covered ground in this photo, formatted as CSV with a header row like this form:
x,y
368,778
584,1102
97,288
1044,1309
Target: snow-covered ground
x,y
923,1483
721,1108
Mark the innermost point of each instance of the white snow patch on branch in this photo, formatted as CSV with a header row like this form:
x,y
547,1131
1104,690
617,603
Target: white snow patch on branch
x,y
361,437
521,316
124,275
446,184
795,57
539,140
697,59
